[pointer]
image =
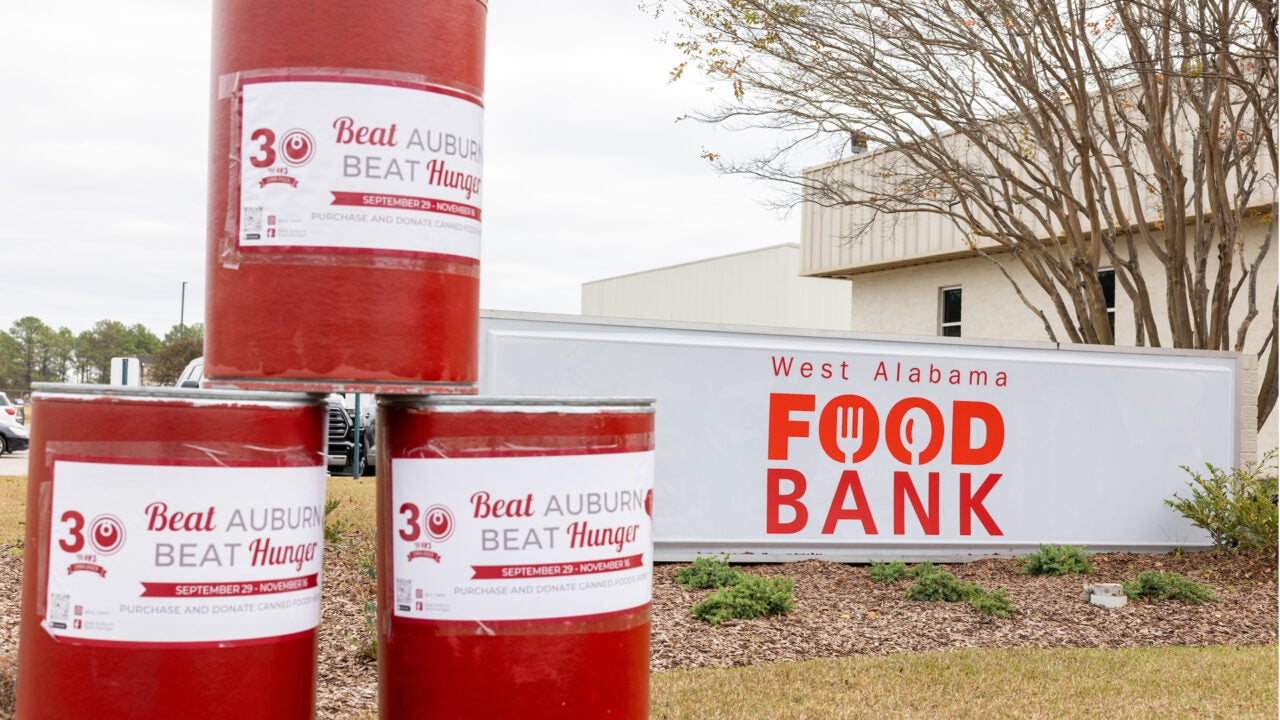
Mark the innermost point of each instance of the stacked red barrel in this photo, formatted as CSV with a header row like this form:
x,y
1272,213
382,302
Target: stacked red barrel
x,y
515,557
345,195
173,554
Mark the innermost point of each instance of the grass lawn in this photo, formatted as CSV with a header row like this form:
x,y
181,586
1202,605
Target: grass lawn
x,y
13,508
355,509
1001,683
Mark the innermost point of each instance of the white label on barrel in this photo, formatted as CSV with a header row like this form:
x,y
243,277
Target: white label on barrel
x,y
175,555
359,165
521,538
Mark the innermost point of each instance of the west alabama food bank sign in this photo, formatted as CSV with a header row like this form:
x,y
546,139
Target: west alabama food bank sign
x,y
906,439
777,445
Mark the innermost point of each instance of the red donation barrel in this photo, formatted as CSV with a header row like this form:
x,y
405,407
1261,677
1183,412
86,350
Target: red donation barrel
x,y
514,558
345,195
173,554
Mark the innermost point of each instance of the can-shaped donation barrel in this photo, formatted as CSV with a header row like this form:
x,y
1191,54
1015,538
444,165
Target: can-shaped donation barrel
x,y
514,557
345,195
173,554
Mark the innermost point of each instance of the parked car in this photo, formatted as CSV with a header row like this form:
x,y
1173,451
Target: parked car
x,y
193,374
342,434
8,411
13,435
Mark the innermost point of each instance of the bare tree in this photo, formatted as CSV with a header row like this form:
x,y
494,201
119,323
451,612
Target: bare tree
x,y
1063,135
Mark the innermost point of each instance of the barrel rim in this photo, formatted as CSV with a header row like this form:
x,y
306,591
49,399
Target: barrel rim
x,y
45,390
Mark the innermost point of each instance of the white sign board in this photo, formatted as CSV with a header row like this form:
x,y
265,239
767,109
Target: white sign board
x,y
126,371
778,445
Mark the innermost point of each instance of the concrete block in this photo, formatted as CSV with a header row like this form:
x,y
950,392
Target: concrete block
x,y
1106,594
1110,601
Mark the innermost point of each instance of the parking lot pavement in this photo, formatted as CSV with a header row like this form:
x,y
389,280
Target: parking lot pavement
x,y
14,464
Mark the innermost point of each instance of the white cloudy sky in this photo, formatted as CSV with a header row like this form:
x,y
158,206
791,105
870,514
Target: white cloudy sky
x,y
103,152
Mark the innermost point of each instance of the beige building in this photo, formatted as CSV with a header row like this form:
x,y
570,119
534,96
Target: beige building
x,y
756,287
921,278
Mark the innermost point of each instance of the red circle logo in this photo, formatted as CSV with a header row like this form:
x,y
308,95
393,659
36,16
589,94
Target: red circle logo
x,y
106,532
297,147
439,522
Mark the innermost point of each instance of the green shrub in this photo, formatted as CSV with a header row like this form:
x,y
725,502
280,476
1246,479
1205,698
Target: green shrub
x,y
1237,507
1155,586
940,585
993,603
896,570
934,584
1057,560
924,568
740,595
887,572
751,596
708,572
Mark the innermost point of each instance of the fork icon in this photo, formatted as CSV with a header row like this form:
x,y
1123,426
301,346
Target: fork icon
x,y
849,418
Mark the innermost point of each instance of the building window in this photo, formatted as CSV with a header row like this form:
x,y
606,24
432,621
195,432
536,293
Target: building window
x,y
1107,279
949,307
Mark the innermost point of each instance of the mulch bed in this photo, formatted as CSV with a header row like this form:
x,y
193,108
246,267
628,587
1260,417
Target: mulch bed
x,y
839,611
